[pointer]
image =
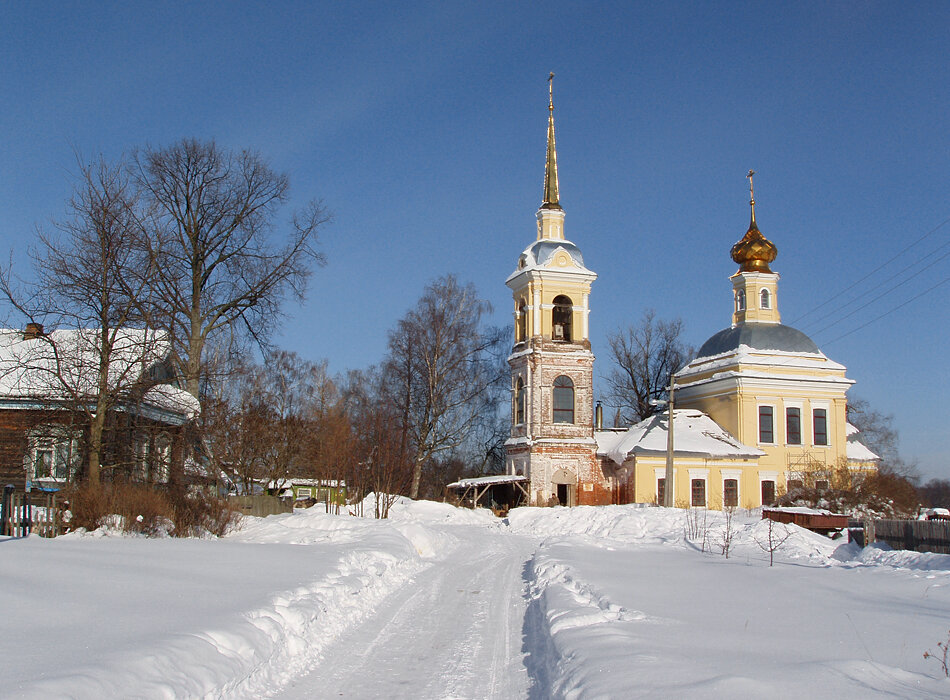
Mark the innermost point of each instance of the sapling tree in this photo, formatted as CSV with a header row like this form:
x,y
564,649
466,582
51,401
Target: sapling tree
x,y
776,536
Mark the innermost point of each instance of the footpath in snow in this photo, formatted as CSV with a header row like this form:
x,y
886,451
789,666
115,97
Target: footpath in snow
x,y
437,602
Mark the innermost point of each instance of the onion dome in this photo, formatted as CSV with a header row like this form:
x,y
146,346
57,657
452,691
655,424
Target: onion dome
x,y
754,252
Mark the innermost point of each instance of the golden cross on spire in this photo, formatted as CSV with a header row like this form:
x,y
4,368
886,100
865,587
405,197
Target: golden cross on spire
x,y
551,91
751,194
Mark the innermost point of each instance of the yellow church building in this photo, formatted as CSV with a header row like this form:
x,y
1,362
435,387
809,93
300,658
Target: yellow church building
x,y
759,410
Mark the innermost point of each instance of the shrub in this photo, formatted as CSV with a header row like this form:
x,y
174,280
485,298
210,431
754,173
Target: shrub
x,y
149,511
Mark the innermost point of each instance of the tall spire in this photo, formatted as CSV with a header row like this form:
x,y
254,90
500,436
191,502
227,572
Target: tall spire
x,y
550,199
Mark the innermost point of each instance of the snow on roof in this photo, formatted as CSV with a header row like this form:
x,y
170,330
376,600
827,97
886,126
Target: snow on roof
x,y
694,433
766,358
63,364
486,481
857,451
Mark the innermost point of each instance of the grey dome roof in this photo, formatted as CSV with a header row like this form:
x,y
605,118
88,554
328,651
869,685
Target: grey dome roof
x,y
542,251
761,336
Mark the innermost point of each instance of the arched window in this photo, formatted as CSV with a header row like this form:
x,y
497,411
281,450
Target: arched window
x,y
765,299
519,401
563,400
561,318
521,326
740,300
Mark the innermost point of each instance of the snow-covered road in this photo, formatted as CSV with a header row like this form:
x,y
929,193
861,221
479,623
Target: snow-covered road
x,y
453,632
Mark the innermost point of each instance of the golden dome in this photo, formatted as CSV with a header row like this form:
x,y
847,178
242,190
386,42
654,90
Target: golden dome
x,y
754,252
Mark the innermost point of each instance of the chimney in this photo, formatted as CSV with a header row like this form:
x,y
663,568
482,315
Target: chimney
x,y
599,417
33,331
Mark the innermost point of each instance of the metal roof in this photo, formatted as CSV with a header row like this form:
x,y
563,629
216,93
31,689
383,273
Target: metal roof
x,y
759,336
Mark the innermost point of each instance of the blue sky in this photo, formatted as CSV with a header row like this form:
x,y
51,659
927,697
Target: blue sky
x,y
422,127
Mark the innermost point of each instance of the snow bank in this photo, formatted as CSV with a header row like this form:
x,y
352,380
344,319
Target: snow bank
x,y
173,618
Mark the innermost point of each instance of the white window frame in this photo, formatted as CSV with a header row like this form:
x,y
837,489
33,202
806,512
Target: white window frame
x,y
63,447
801,428
758,423
826,405
162,468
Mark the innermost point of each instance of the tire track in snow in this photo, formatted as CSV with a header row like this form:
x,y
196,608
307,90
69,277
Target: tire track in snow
x,y
452,632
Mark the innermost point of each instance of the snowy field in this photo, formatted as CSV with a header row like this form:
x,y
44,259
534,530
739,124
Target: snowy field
x,y
611,602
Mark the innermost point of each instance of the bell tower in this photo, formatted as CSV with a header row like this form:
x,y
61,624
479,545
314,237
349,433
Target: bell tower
x,y
552,433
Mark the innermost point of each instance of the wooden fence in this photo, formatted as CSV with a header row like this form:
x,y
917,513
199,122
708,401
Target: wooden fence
x,y
913,535
259,506
35,513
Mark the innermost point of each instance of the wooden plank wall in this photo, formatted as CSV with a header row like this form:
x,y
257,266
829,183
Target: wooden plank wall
x,y
913,535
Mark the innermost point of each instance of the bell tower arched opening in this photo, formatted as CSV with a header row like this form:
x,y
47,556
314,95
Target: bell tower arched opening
x,y
561,318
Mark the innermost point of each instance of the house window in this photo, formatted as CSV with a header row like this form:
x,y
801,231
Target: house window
x,y
768,492
53,454
519,401
563,400
163,459
140,457
766,433
730,493
561,318
821,484
820,416
697,488
793,426
740,300
795,484
521,326
765,299
303,492
660,491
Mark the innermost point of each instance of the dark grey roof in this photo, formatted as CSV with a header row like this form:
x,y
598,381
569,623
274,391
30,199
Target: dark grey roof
x,y
761,336
543,250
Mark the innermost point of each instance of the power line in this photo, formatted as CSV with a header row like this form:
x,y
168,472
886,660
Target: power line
x,y
882,294
878,286
874,271
887,313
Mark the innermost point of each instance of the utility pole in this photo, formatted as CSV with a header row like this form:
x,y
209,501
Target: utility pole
x,y
668,483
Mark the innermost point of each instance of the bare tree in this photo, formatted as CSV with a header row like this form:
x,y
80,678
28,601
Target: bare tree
x,y
265,421
777,535
645,357
212,228
385,463
440,370
94,277
877,431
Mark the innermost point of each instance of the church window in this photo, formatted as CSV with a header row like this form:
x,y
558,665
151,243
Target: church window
x,y
519,401
563,394
821,426
793,426
521,326
768,492
740,300
766,432
765,299
730,493
698,493
561,318
660,491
